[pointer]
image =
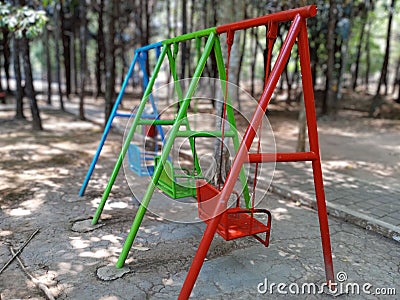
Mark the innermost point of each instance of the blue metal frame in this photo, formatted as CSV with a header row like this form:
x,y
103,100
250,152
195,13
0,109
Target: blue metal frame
x,y
140,56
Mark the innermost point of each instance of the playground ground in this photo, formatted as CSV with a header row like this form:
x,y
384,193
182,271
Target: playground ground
x,y
42,172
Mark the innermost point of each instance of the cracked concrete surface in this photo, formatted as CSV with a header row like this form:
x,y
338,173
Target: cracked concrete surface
x,y
68,261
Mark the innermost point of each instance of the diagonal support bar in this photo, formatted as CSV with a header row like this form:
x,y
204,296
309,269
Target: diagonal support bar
x,y
107,127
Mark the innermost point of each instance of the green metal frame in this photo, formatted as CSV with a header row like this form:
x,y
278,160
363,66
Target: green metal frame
x,y
212,43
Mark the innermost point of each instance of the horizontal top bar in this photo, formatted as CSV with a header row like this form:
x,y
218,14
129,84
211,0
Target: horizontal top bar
x,y
283,16
149,47
189,36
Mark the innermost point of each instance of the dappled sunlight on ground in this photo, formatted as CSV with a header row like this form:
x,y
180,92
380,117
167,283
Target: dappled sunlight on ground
x,y
365,148
42,173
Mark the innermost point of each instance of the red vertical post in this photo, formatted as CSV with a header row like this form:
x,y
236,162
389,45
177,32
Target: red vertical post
x,y
308,93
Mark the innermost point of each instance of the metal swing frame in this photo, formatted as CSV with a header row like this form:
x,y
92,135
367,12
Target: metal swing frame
x,y
297,32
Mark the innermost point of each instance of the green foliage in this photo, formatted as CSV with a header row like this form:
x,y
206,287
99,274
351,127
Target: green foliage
x,y
22,21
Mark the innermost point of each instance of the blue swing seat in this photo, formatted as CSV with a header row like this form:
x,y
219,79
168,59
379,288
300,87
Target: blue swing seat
x,y
139,161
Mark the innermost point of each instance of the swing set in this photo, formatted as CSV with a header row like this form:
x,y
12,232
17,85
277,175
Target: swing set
x,y
232,222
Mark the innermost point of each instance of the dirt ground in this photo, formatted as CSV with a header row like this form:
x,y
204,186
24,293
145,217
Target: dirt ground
x,y
41,173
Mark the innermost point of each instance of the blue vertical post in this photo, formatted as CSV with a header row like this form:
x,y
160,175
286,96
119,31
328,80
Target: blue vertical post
x,y
115,108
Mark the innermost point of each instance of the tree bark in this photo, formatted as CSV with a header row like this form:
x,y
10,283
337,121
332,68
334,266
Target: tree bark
x,y
67,50
83,44
383,77
100,50
30,92
302,134
368,55
330,87
19,93
364,21
6,55
46,38
397,80
254,32
110,58
184,56
57,35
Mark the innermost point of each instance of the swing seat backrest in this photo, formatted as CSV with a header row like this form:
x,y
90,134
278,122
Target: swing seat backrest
x,y
174,182
137,161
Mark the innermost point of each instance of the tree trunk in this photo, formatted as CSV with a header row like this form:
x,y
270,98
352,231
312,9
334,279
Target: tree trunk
x,y
67,50
184,48
6,55
301,137
74,60
110,57
30,92
383,77
19,93
191,29
254,32
397,80
364,20
83,44
367,55
330,85
57,38
345,37
46,37
241,56
100,50
314,63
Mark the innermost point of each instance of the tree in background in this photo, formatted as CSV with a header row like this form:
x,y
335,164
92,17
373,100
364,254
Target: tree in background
x,y
384,70
25,24
97,60
110,56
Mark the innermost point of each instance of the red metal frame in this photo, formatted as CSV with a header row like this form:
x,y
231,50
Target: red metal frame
x,y
298,30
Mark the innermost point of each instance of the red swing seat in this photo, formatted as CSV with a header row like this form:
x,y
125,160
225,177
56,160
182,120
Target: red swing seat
x,y
236,222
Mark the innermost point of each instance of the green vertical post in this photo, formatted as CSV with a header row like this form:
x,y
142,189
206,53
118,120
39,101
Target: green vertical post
x,y
128,138
165,152
231,118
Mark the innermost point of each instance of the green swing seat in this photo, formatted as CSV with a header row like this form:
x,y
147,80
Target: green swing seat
x,y
175,182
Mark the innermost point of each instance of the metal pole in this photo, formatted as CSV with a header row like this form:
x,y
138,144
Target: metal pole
x,y
314,147
108,126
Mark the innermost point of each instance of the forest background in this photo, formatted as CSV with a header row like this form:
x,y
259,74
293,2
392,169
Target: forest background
x,y
57,50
